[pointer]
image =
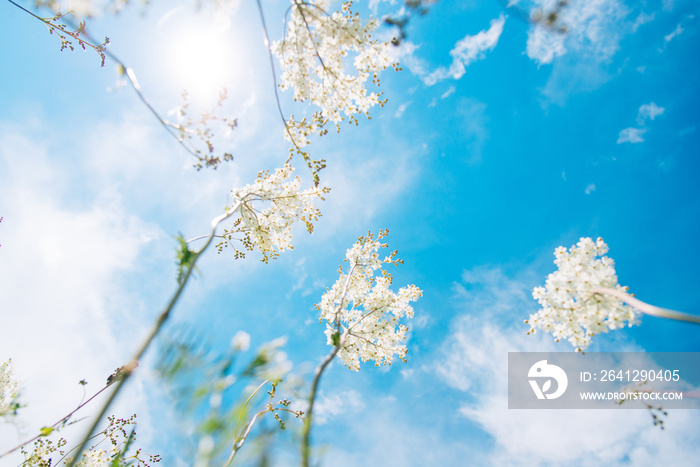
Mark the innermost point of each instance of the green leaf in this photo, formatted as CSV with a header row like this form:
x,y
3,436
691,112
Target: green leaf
x,y
185,258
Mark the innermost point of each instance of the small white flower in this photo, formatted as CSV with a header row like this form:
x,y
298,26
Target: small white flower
x,y
570,310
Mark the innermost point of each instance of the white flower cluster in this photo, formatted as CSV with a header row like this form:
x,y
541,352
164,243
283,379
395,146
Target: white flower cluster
x,y
9,388
570,308
270,229
362,314
97,458
315,54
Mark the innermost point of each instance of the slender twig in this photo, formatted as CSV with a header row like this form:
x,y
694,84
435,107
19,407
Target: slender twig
x,y
156,328
305,446
308,420
131,76
238,443
266,40
240,440
61,421
342,297
647,308
240,417
127,71
203,237
310,163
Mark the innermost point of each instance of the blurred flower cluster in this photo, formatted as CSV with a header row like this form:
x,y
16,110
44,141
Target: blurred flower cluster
x,y
9,389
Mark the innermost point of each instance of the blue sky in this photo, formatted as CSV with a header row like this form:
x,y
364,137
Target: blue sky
x,y
500,142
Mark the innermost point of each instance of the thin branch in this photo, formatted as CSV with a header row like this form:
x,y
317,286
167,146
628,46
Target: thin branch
x,y
239,441
306,441
247,402
305,446
647,308
61,421
266,41
127,71
319,164
155,330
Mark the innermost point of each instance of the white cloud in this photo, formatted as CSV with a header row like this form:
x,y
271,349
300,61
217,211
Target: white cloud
x,y
535,437
676,32
580,57
635,135
590,188
641,20
402,108
631,135
364,187
405,53
331,406
592,27
650,111
389,435
467,51
544,45
474,129
448,93
63,273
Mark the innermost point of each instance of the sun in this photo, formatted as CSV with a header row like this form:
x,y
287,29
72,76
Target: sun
x,y
199,56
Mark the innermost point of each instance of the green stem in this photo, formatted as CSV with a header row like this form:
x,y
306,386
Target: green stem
x,y
63,420
238,444
308,420
154,331
306,442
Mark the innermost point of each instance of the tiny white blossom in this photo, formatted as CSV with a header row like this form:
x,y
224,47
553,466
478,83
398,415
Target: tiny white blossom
x,y
570,309
269,229
362,314
9,388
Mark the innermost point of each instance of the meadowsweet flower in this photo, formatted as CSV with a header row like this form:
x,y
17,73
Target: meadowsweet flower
x,y
9,389
269,229
362,314
570,308
316,55
97,458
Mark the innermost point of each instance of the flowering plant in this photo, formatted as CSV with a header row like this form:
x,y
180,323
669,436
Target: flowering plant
x,y
362,314
583,297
